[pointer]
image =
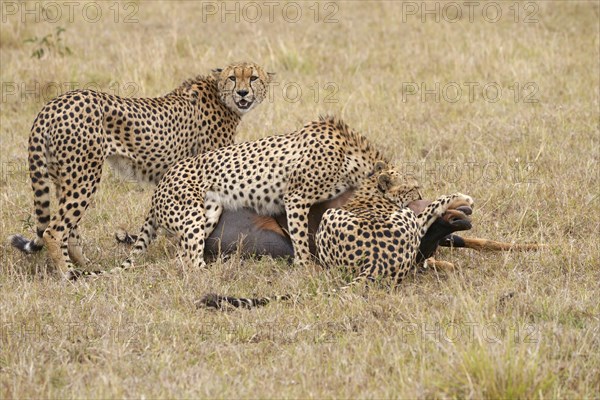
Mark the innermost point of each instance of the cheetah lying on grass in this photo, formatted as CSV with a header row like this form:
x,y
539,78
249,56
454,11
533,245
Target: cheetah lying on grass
x,y
375,233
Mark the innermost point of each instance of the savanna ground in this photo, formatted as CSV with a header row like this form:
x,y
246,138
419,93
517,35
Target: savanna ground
x,y
522,139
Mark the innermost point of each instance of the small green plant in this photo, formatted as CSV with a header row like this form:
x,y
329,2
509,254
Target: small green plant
x,y
52,43
28,223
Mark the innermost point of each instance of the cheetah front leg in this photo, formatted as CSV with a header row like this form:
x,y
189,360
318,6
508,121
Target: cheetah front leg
x,y
296,209
437,208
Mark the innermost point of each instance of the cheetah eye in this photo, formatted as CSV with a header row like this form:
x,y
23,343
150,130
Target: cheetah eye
x,y
253,78
232,78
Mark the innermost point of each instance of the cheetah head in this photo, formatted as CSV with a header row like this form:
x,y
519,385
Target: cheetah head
x,y
242,86
396,187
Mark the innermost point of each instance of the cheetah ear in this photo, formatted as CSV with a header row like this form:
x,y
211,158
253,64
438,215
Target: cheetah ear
x,y
270,76
379,166
384,182
216,72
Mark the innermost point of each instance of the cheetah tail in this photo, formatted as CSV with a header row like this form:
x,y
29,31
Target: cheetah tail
x,y
217,302
40,183
25,245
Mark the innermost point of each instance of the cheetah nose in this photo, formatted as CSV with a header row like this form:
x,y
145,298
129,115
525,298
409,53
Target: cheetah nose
x,y
242,92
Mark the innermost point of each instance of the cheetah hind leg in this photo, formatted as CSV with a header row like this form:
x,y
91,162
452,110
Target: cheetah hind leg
x,y
57,236
144,238
148,233
74,248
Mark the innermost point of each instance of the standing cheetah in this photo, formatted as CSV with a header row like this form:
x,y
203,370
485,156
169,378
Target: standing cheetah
x,y
77,132
286,172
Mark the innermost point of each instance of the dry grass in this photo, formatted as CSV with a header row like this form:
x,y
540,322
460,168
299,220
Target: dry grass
x,y
505,325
